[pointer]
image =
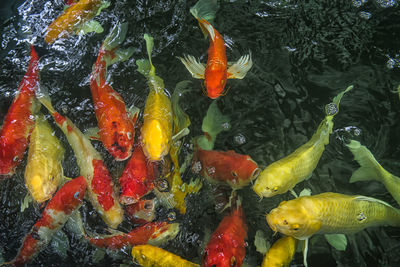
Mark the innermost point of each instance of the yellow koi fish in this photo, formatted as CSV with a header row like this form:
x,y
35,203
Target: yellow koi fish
x,y
151,256
281,253
371,170
156,133
76,18
330,213
282,175
43,172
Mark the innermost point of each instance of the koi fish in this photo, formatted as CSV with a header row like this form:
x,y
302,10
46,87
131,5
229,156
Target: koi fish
x,y
156,133
282,175
137,179
216,71
226,247
330,213
100,185
154,233
142,211
281,253
19,121
229,167
75,18
43,172
371,170
67,199
151,256
115,124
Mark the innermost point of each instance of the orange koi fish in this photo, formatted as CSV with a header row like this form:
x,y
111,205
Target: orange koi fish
x,y
153,233
137,179
226,247
67,199
142,211
217,70
19,121
74,18
229,167
100,186
115,124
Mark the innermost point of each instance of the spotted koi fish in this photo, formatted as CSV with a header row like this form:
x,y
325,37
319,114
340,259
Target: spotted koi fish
x,y
19,121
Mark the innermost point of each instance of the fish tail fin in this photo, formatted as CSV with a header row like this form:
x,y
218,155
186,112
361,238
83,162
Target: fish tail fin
x,y
205,9
42,95
145,66
332,108
33,63
370,168
213,123
111,43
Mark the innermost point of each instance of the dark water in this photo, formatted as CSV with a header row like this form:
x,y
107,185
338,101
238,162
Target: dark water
x,y
304,53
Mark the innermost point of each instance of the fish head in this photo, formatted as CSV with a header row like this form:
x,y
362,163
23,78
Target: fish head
x,y
154,140
243,170
219,256
292,218
215,82
269,185
164,232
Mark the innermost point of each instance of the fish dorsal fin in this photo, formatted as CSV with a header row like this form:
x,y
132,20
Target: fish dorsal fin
x,y
149,46
371,199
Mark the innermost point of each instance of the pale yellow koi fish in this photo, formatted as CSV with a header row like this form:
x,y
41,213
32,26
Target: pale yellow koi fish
x,y
330,213
371,170
43,172
282,175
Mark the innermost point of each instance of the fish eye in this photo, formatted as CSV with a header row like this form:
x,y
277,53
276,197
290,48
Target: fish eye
x,y
275,189
295,227
234,174
15,158
129,135
233,261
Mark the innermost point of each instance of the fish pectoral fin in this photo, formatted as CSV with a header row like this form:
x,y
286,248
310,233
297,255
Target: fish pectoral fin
x,y
195,68
27,200
305,250
305,192
133,112
240,68
90,26
182,133
92,133
338,241
293,193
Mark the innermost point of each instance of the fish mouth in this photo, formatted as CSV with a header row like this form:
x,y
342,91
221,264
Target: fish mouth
x,y
271,225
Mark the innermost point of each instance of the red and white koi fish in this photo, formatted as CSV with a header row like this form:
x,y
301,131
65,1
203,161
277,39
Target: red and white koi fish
x,y
226,247
116,126
100,186
142,211
66,200
154,233
216,71
137,179
228,167
19,121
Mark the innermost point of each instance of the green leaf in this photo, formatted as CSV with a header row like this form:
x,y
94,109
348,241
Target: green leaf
x,y
338,241
260,242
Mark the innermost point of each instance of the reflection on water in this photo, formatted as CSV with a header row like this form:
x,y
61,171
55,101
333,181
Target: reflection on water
x,y
304,53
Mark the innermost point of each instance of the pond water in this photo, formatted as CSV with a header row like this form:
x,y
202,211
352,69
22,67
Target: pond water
x,y
304,53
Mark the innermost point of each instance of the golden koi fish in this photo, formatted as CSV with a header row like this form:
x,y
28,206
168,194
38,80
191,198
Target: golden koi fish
x,y
330,213
371,170
151,256
156,133
43,172
282,175
281,253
